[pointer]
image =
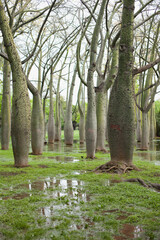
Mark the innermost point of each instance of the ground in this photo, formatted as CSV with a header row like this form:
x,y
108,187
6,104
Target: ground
x,y
59,196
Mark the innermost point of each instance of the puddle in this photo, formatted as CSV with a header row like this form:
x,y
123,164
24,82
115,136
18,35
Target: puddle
x,y
129,231
64,159
110,182
63,148
69,194
153,154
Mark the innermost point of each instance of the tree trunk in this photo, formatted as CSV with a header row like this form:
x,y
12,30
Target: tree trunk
x,y
37,126
152,122
101,100
145,131
58,118
6,107
44,120
21,117
91,121
68,126
139,128
121,105
51,124
81,108
106,132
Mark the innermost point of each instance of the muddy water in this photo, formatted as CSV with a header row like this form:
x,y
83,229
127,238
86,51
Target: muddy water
x,y
129,231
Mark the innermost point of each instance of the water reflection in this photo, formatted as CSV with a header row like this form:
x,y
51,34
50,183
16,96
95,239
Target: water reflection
x,y
62,147
153,154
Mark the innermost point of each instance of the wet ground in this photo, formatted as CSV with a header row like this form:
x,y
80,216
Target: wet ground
x,y
71,195
153,154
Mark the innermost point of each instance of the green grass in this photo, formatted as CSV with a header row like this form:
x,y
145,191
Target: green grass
x,y
78,203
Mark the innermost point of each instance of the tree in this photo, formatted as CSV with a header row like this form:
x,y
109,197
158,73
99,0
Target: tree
x,y
6,106
121,104
51,124
20,127
68,126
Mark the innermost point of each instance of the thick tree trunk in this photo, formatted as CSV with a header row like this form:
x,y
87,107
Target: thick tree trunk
x,y
121,119
37,126
145,131
68,126
51,124
21,117
6,107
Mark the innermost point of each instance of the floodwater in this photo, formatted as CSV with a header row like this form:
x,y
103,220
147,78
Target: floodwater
x,y
63,148
68,194
153,154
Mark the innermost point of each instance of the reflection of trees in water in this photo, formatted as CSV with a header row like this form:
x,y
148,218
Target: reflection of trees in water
x,y
63,148
72,189
153,154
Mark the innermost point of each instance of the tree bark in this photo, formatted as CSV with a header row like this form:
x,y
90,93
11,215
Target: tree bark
x,y
152,123
139,128
81,108
51,124
37,126
145,131
68,126
91,121
101,101
21,117
121,124
6,107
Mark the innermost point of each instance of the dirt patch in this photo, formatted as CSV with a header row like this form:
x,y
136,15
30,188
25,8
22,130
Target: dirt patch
x,y
42,166
156,174
7,174
18,196
129,231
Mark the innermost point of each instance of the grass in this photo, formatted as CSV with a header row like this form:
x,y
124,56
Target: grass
x,y
58,199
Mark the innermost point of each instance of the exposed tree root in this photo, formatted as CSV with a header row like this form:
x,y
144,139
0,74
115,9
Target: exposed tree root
x,y
147,185
115,167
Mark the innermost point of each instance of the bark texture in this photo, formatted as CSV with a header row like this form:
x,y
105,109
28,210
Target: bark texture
x,y
21,117
101,100
91,121
68,126
145,131
81,108
51,124
37,126
121,119
6,107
